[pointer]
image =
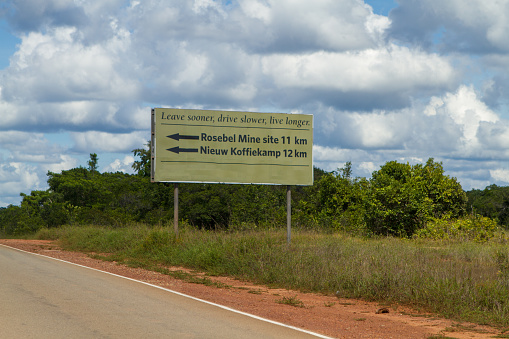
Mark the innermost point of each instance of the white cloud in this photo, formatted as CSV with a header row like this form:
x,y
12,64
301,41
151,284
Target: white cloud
x,y
56,66
380,129
256,9
480,25
332,158
18,177
324,153
124,165
64,162
331,25
385,70
456,124
466,110
368,167
372,130
28,147
488,16
95,142
195,68
500,175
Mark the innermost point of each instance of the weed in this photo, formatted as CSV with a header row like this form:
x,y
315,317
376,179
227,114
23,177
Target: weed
x,y
291,301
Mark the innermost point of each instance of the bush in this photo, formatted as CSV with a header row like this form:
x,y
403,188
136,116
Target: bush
x,y
403,198
476,228
334,203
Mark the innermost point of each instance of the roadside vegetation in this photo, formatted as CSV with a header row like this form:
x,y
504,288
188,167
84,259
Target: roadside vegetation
x,y
409,235
461,279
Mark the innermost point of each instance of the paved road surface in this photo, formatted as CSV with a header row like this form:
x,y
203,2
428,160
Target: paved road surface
x,y
42,297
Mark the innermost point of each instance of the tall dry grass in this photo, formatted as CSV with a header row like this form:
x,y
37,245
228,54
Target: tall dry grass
x,y
467,281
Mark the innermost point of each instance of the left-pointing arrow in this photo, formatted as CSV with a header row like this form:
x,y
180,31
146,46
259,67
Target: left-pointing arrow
x,y
182,150
177,137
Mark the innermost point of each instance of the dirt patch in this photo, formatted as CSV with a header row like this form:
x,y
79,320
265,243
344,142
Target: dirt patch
x,y
328,315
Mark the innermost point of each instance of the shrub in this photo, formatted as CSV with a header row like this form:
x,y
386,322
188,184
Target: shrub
x,y
475,228
403,198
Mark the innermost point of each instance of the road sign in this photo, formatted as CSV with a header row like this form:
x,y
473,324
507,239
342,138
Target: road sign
x,y
231,147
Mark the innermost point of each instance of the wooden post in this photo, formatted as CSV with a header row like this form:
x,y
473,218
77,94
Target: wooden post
x,y
176,210
288,213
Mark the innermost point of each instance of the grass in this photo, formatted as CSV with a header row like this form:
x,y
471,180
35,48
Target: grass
x,y
291,301
464,281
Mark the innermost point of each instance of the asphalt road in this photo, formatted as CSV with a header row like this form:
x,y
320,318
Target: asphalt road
x,y
42,297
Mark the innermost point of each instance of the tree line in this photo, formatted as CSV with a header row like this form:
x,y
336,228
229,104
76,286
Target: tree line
x,y
397,200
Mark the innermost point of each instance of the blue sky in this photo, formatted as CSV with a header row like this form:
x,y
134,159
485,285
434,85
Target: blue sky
x,y
8,44
382,7
402,80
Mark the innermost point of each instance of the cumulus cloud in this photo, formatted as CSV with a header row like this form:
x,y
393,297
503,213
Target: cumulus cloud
x,y
264,26
25,16
380,88
480,27
95,142
468,112
57,66
500,174
15,178
302,25
29,147
62,163
389,70
121,165
455,125
374,130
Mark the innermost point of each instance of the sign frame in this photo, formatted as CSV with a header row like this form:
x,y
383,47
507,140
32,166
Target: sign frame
x,y
233,147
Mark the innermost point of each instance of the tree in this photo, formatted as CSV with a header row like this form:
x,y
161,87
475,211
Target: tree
x,y
92,163
335,201
80,187
10,220
403,198
492,202
142,166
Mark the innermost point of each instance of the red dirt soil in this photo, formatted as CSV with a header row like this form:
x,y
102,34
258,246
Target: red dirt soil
x,y
327,315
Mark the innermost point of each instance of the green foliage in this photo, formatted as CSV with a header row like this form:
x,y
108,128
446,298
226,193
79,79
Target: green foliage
x,y
14,221
258,206
108,198
335,202
206,205
470,228
142,166
403,198
398,200
92,163
492,202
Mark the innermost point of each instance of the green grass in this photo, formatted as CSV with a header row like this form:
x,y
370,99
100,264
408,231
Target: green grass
x,y
466,281
291,301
